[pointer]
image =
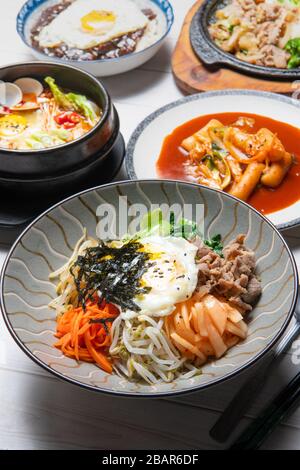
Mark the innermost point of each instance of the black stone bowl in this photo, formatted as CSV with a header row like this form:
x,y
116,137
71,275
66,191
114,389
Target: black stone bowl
x,y
101,169
25,199
208,52
55,160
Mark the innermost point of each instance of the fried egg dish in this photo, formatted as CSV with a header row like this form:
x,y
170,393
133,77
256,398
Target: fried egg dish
x,y
88,23
95,29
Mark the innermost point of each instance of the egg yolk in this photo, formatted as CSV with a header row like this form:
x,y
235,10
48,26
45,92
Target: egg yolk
x,y
152,255
98,21
12,124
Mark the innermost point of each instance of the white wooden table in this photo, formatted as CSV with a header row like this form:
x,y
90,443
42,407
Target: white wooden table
x,y
37,410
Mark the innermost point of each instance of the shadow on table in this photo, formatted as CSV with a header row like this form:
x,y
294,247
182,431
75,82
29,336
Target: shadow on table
x,y
134,82
64,416
292,236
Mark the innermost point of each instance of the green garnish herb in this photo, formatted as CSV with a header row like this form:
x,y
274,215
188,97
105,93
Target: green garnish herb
x,y
215,244
210,162
114,272
293,47
172,224
183,228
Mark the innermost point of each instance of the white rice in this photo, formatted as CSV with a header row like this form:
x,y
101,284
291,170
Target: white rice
x,y
156,28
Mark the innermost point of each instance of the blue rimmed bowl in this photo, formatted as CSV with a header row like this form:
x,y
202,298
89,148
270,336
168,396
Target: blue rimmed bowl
x,y
49,241
31,10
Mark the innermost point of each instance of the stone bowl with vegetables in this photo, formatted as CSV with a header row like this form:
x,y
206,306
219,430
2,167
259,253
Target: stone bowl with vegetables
x,y
53,119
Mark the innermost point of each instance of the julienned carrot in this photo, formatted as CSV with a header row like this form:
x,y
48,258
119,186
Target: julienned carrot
x,y
82,336
99,358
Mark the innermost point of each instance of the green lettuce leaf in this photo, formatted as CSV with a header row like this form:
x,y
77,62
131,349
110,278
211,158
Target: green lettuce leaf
x,y
72,101
153,223
60,97
82,105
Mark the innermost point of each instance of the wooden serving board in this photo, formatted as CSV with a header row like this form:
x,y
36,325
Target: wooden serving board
x,y
192,76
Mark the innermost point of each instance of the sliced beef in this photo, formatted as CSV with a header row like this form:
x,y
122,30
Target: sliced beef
x,y
273,56
232,277
260,31
253,291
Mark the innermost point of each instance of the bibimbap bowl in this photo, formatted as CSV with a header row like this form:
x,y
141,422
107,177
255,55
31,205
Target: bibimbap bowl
x,y
47,244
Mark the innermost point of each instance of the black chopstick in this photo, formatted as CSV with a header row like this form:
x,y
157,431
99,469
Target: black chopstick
x,y
282,405
242,400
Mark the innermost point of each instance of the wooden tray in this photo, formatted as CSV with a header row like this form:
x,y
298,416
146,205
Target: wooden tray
x,y
192,75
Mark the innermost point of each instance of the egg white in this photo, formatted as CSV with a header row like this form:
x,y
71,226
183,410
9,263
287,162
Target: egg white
x,y
67,27
172,276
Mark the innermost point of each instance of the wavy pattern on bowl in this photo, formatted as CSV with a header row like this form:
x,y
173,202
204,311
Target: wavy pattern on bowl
x,y
48,242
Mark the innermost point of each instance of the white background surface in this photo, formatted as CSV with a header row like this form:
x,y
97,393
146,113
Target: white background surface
x,y
38,411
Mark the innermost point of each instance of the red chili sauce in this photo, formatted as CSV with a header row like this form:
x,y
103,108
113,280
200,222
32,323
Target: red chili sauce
x,y
170,164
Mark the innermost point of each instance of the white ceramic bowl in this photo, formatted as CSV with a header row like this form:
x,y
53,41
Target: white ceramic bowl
x,y
100,68
146,142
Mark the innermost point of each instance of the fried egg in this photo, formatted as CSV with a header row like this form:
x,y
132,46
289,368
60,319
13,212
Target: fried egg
x,y
12,125
171,275
16,128
88,23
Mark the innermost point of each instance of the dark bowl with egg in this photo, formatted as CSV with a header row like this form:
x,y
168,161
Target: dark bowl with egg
x,y
214,56
71,156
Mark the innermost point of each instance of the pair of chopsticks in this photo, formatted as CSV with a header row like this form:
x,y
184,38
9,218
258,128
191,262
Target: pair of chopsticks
x,y
274,413
287,400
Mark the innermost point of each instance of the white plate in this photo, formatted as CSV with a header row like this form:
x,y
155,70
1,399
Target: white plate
x,y
145,144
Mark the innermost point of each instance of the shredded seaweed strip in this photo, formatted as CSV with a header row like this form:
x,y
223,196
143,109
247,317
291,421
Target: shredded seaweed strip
x,y
103,321
113,273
